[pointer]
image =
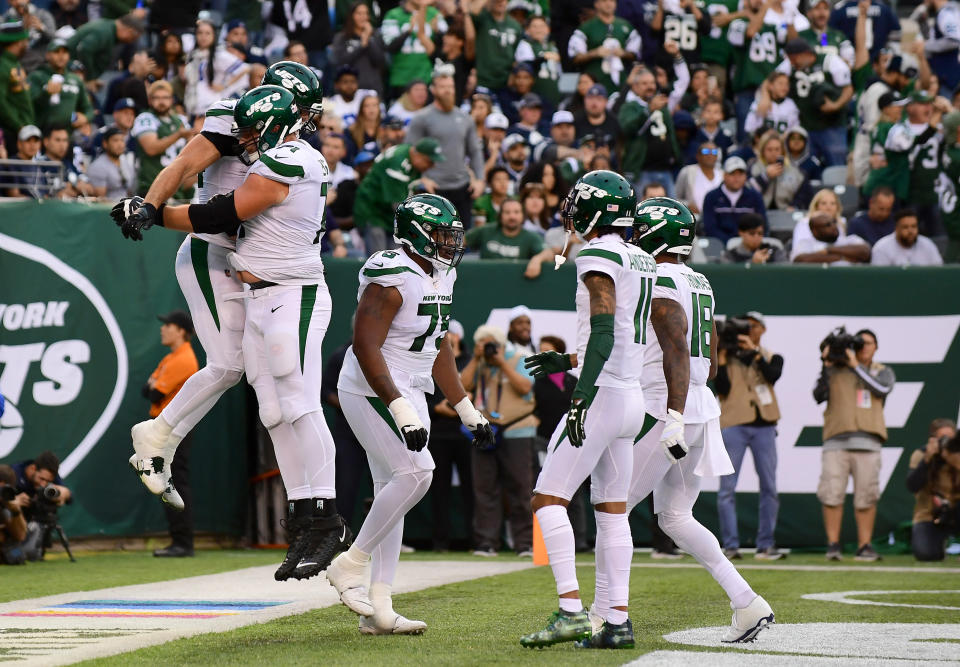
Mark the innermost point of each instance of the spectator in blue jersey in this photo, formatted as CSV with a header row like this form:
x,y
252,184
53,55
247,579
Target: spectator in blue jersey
x,y
943,45
882,20
877,221
724,206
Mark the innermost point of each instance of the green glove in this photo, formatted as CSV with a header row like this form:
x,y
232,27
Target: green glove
x,y
546,363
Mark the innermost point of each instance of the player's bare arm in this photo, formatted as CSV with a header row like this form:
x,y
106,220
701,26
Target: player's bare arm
x,y
375,312
224,213
603,293
670,324
196,156
446,376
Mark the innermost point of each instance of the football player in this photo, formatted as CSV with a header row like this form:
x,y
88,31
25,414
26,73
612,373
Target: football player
x,y
278,211
614,288
680,441
399,349
205,277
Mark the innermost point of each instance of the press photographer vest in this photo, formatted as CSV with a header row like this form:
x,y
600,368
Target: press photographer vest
x,y
743,403
851,407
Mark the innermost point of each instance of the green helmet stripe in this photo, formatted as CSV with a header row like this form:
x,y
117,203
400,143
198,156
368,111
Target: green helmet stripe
x,y
288,170
603,254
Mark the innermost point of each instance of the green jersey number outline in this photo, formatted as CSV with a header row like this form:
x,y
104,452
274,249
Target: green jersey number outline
x,y
701,328
642,316
437,312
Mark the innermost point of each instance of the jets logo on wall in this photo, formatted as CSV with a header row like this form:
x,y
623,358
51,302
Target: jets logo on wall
x,y
54,328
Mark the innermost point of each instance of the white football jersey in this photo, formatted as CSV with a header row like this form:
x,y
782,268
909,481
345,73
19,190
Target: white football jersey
x,y
633,272
680,283
226,174
282,244
417,330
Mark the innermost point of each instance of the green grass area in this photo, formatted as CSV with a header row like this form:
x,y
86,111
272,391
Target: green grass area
x,y
55,574
480,621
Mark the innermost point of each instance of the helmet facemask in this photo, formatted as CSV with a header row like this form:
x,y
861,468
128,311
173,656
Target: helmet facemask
x,y
445,245
256,140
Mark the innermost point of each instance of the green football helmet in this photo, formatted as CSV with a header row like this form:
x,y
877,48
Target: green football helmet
x,y
662,224
305,86
262,119
599,198
430,226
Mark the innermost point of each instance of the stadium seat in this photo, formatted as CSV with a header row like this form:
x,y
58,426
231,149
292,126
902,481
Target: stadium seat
x,y
568,82
782,223
834,176
849,199
710,248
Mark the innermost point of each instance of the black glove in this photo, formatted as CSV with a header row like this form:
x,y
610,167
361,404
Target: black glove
x,y
416,438
576,416
139,221
483,437
124,208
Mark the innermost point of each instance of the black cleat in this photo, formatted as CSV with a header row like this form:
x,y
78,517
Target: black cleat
x,y
296,523
327,537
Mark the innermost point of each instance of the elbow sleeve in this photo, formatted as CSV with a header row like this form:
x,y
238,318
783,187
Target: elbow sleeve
x,y
218,215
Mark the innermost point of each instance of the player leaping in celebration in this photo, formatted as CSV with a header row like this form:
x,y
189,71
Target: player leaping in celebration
x,y
277,216
614,284
399,350
205,278
680,442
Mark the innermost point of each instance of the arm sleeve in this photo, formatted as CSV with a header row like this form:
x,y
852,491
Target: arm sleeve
x,y
821,392
839,70
599,347
634,43
771,370
577,43
524,52
278,164
225,145
474,151
948,20
737,32
918,475
145,123
880,384
385,270
722,382
680,84
415,129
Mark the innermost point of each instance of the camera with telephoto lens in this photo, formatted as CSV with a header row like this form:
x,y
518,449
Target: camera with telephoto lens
x,y
837,343
490,350
728,331
44,509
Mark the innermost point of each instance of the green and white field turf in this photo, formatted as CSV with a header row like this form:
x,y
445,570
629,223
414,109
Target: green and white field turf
x,y
479,622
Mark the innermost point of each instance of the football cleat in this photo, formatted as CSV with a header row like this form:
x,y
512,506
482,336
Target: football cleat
x,y
171,497
390,624
596,620
562,626
152,457
749,621
350,578
296,528
610,636
321,544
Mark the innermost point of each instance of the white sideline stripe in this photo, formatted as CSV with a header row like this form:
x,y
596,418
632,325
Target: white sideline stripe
x,y
808,568
720,659
249,584
845,598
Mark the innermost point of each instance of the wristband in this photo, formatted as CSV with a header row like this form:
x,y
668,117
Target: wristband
x,y
403,413
466,410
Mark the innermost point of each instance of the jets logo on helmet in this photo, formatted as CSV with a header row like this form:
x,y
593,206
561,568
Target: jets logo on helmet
x,y
262,119
661,225
304,83
292,83
430,226
599,198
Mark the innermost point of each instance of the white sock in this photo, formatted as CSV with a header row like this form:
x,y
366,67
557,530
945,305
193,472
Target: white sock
x,y
601,596
572,605
616,616
614,531
700,543
191,402
386,556
287,450
318,454
558,538
381,596
396,498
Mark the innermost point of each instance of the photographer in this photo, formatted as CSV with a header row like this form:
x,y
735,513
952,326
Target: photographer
x,y
934,479
13,525
33,478
746,374
503,391
855,388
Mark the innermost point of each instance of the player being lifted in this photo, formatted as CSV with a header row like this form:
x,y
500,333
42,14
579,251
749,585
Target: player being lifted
x,y
399,350
287,200
614,287
680,442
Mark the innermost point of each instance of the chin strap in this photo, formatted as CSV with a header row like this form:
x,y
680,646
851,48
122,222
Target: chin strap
x,y
558,260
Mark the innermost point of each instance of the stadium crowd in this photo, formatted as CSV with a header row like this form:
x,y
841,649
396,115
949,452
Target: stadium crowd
x,y
803,132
